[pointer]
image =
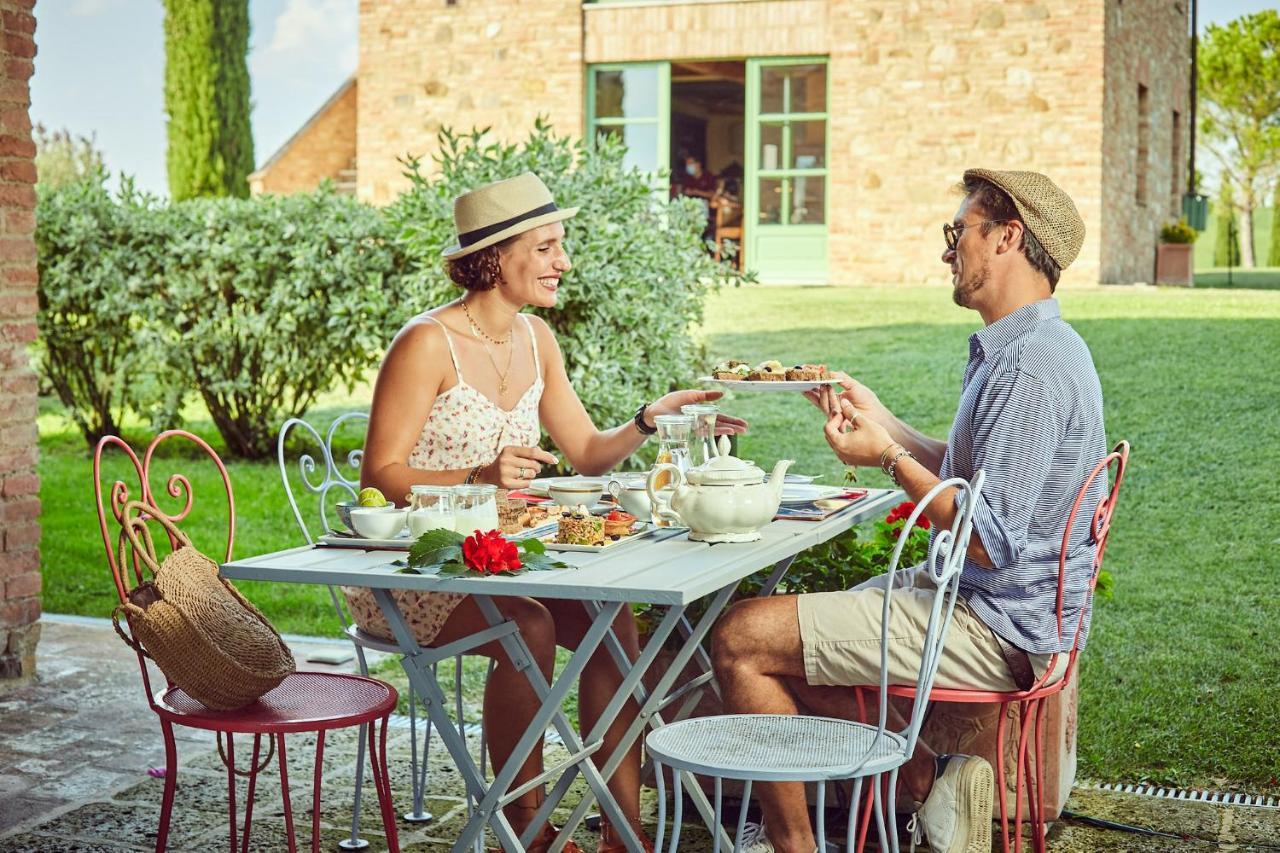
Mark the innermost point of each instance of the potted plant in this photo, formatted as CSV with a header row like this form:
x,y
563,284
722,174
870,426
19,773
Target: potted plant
x,y
1173,256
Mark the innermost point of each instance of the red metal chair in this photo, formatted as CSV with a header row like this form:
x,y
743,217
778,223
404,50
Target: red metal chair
x,y
303,702
1030,703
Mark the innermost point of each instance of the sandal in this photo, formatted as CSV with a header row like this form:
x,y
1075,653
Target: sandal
x,y
611,843
543,843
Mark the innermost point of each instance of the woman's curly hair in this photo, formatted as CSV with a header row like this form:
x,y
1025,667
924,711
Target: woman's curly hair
x,y
479,270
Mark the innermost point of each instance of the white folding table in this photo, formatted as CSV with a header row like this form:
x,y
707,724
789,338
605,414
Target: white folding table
x,y
665,569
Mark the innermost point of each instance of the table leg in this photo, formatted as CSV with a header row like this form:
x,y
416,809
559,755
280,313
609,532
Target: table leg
x,y
551,696
649,714
420,676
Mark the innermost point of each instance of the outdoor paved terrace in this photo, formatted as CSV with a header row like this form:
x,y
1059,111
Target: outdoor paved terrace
x,y
78,741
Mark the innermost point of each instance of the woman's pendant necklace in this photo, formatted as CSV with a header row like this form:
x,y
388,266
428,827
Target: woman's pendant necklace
x,y
479,334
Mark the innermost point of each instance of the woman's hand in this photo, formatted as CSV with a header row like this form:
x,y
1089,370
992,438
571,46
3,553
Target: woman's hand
x,y
670,404
516,467
856,437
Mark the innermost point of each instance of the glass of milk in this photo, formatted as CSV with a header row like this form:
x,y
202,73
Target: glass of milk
x,y
475,508
430,508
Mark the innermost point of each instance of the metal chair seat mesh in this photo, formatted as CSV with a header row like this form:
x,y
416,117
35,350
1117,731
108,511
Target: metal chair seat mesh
x,y
751,745
303,701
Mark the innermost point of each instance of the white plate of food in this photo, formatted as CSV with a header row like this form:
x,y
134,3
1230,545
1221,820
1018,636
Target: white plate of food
x,y
594,533
641,530
766,385
803,493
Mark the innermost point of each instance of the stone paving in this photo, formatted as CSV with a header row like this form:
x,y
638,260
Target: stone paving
x,y
78,741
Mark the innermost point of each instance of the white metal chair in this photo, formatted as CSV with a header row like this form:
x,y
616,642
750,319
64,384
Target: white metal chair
x,y
780,748
334,485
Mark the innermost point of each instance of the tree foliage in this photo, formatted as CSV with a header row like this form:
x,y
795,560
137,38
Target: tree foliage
x,y
641,272
1239,89
62,158
206,94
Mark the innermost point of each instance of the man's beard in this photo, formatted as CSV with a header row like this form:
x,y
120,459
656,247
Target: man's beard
x,y
968,285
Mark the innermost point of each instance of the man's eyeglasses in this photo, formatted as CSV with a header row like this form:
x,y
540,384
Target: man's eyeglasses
x,y
951,233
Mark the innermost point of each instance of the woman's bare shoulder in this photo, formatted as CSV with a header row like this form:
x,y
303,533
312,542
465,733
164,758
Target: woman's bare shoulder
x,y
542,329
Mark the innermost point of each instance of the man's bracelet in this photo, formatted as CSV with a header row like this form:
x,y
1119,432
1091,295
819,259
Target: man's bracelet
x,y
892,468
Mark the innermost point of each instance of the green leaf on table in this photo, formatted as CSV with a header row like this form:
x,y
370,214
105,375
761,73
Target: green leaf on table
x,y
452,569
541,563
532,546
421,557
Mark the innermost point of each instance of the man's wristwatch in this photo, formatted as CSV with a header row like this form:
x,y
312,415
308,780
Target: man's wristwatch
x,y
643,427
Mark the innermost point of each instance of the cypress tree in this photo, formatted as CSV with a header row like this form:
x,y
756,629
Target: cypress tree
x,y
1226,246
206,96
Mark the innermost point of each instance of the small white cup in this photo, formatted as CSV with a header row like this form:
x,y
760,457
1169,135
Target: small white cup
x,y
378,522
574,492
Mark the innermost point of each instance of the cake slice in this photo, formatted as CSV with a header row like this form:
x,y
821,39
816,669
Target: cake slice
x,y
808,373
731,369
579,527
767,371
618,524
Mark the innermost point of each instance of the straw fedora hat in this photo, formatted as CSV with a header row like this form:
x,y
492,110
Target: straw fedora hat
x,y
492,213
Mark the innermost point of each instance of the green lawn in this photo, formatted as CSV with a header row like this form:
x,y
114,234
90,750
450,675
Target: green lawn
x,y
1179,682
1258,278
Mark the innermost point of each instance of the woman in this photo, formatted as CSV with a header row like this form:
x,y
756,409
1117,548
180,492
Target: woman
x,y
460,398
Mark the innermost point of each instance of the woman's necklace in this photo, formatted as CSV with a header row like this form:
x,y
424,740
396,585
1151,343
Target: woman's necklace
x,y
484,340
479,332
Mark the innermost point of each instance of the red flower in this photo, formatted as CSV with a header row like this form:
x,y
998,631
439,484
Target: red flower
x,y
903,511
489,553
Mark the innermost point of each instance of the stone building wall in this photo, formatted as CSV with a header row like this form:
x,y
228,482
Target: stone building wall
x,y
19,484
922,91
476,63
325,147
731,29
1144,160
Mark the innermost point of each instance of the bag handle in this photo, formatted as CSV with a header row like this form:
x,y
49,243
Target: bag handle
x,y
129,609
143,545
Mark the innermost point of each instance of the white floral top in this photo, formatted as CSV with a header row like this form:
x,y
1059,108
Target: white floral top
x,y
463,429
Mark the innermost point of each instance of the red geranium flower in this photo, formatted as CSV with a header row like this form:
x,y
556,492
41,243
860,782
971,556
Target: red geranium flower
x,y
903,511
490,553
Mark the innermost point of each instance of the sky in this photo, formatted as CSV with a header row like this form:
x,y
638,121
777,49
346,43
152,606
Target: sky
x,y
100,71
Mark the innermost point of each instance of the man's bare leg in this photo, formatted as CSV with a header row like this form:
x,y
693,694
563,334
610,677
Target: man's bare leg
x,y
757,652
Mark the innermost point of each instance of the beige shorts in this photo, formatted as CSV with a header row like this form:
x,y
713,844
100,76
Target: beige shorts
x,y
840,632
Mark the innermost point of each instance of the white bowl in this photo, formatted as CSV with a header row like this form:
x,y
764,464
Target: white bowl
x,y
575,492
378,522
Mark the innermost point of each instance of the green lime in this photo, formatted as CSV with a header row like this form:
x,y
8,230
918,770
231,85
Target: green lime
x,y
371,497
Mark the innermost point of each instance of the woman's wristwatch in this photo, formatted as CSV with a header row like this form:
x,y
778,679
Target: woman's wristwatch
x,y
643,427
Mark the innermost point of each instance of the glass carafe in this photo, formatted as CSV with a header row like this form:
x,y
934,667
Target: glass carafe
x,y
475,508
430,508
702,444
674,432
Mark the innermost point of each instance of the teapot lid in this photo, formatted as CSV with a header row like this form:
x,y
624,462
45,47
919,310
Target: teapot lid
x,y
726,470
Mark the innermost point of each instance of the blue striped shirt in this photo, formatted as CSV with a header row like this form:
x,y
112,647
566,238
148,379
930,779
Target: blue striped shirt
x,y
1030,415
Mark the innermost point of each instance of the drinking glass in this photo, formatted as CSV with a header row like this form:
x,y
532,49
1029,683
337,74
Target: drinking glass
x,y
702,447
430,508
674,432
475,508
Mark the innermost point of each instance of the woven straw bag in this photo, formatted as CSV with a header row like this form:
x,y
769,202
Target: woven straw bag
x,y
204,635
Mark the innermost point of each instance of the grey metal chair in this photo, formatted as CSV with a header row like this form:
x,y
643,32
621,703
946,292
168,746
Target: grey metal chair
x,y
780,748
326,481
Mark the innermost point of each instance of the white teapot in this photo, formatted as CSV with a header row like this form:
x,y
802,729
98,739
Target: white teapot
x,y
724,500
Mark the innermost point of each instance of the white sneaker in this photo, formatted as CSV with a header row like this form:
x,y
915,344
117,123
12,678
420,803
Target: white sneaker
x,y
754,840
956,816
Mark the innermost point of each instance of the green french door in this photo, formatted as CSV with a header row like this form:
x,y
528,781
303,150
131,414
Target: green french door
x,y
786,174
632,101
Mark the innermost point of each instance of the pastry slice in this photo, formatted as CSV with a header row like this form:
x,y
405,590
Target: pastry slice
x,y
808,373
768,371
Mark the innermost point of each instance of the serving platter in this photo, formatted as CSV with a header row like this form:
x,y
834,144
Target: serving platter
x,y
765,386
639,531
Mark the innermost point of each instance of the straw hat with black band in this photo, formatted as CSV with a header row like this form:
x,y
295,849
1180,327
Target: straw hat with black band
x,y
1046,211
490,214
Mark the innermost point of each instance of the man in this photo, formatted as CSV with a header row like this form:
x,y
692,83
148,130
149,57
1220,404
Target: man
x,y
696,181
1030,415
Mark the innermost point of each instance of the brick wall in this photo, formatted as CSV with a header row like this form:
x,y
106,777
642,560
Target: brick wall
x,y
1147,46
479,63
325,147
19,484
709,30
923,90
